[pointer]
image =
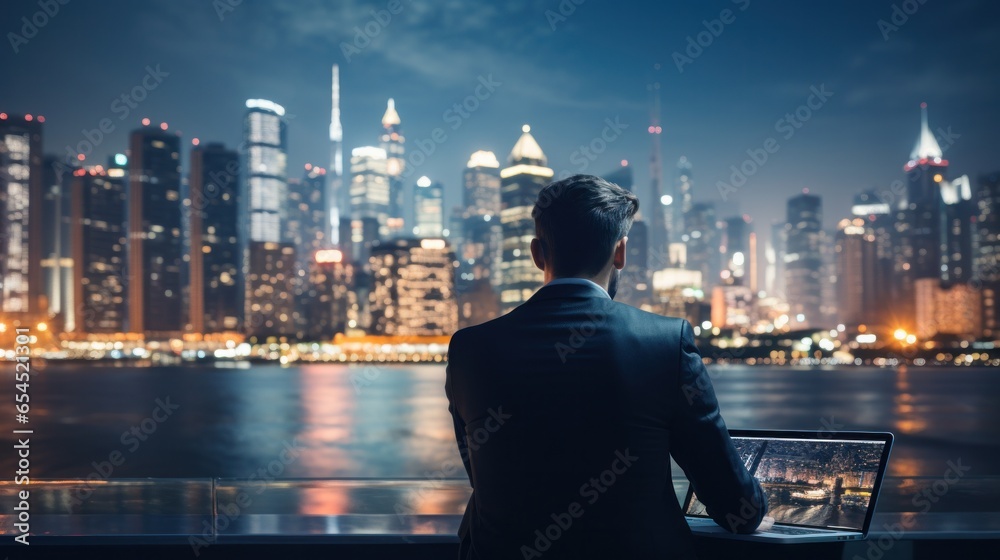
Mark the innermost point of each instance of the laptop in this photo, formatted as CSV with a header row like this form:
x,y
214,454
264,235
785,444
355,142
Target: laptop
x,y
820,486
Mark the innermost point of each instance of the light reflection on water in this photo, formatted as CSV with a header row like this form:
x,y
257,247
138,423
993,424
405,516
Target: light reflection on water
x,y
389,421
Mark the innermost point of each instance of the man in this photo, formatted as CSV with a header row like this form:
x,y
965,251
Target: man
x,y
568,409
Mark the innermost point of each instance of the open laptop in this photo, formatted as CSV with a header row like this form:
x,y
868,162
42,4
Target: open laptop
x,y
820,486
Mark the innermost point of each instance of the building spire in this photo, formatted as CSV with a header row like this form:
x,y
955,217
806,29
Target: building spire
x,y
527,148
927,145
391,117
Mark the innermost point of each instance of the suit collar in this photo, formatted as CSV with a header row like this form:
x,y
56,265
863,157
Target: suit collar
x,y
558,290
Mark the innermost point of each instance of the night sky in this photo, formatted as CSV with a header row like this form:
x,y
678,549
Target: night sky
x,y
594,65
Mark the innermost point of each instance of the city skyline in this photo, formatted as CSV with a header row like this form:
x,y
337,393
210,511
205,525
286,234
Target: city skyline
x,y
869,120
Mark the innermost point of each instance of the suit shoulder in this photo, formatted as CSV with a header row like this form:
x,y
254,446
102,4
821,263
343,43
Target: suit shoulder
x,y
670,324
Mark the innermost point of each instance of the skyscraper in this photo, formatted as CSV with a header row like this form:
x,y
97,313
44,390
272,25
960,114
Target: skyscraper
x,y
520,183
877,271
661,211
413,293
987,256
98,241
428,208
958,215
703,243
369,199
479,252
265,137
21,214
307,214
392,141
736,251
269,260
635,283
155,239
918,219
774,255
215,299
335,178
804,261
858,283
481,182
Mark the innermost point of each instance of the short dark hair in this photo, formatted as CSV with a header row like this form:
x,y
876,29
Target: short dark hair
x,y
579,219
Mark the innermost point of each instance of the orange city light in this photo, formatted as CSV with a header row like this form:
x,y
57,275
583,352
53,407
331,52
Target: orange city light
x,y
324,256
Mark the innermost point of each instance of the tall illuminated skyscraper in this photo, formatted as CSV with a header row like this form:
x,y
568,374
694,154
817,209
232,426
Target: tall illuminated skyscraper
x,y
97,248
804,261
520,183
370,199
392,142
21,214
335,196
269,260
155,239
958,218
215,299
428,208
918,219
479,250
265,137
685,187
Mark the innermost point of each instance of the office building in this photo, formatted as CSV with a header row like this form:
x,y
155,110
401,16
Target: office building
x,y
947,313
155,239
987,252
919,219
215,258
428,208
369,199
98,248
520,183
393,142
21,213
804,261
413,288
703,243
735,251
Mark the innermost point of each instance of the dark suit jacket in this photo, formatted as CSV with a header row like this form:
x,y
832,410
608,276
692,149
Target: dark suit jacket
x,y
567,411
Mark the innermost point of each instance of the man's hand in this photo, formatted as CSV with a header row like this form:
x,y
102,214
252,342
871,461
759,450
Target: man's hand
x,y
765,524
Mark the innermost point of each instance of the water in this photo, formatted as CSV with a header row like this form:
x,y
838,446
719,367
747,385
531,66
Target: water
x,y
392,421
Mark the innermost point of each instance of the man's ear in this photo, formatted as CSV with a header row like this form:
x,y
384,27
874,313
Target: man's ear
x,y
538,253
619,255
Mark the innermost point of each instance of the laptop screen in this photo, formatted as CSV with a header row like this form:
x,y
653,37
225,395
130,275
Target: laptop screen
x,y
818,482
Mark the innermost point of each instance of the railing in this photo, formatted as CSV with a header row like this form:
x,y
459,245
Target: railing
x,y
209,511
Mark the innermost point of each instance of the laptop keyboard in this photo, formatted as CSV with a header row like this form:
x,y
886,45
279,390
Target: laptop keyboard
x,y
793,530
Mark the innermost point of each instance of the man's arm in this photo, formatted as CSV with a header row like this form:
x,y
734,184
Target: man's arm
x,y
449,390
701,445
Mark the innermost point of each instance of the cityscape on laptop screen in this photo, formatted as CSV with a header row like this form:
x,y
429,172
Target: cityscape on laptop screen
x,y
818,483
